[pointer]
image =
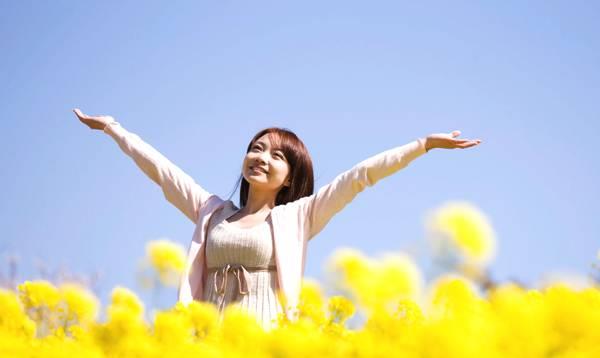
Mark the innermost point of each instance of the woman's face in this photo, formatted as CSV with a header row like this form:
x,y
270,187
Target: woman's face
x,y
262,156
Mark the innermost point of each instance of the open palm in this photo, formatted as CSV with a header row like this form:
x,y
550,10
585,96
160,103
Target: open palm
x,y
94,122
449,141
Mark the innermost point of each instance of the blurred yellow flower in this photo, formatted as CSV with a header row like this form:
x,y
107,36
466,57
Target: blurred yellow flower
x,y
167,258
452,291
38,293
311,301
510,321
461,228
452,317
172,328
81,304
340,309
375,282
123,298
203,317
13,319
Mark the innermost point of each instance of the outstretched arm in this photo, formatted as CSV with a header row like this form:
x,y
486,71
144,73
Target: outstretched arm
x,y
178,187
319,208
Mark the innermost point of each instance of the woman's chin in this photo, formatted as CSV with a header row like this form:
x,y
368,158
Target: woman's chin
x,y
256,180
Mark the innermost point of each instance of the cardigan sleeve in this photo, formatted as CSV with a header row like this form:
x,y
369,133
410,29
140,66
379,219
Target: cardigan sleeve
x,y
318,208
178,187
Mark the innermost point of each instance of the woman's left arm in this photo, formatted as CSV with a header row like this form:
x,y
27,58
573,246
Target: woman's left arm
x,y
320,207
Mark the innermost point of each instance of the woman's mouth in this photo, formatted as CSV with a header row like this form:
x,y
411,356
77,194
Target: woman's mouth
x,y
257,170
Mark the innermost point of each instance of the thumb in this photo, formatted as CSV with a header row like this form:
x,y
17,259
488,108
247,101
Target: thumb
x,y
455,133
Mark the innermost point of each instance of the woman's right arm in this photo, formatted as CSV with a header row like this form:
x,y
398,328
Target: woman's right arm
x,y
178,187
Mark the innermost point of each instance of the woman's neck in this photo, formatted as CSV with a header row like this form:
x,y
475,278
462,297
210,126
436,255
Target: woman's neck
x,y
259,201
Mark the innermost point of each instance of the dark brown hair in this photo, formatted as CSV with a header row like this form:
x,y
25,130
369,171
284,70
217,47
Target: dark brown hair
x,y
301,176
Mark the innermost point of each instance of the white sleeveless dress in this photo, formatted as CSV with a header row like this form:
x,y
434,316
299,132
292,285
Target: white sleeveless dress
x,y
241,268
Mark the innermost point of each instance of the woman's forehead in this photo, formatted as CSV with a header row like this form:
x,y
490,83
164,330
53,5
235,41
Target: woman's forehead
x,y
268,139
265,138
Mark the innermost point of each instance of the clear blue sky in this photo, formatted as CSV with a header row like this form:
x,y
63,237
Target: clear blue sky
x,y
196,80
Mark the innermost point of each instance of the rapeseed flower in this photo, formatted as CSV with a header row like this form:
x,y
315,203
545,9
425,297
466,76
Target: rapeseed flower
x,y
167,259
374,282
459,232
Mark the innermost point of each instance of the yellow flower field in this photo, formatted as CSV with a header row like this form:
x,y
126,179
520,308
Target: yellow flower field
x,y
454,321
454,315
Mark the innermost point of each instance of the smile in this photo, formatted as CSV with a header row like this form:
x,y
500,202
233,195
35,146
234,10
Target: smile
x,y
258,170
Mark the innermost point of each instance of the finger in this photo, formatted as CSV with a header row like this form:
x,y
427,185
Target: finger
x,y
470,144
467,140
461,145
455,133
79,113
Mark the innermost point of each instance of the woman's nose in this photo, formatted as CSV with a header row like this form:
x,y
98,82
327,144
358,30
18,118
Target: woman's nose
x,y
263,157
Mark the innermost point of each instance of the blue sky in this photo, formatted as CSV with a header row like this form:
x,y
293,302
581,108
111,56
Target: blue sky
x,y
196,80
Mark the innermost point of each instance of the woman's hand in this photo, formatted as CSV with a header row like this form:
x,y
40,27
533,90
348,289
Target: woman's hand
x,y
448,141
94,122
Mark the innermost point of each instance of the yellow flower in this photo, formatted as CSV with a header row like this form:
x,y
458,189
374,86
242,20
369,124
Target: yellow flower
x,y
12,316
203,317
460,227
311,301
172,328
397,276
124,299
375,282
125,333
39,293
340,309
168,259
241,330
81,304
451,293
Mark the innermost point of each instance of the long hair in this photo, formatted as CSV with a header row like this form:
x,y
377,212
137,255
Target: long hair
x,y
301,176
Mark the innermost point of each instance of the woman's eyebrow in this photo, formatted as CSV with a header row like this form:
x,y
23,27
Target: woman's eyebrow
x,y
264,145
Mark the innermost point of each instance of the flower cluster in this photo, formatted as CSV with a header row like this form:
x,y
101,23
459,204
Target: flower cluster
x,y
456,314
454,320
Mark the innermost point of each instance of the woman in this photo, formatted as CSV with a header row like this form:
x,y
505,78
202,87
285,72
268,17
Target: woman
x,y
254,255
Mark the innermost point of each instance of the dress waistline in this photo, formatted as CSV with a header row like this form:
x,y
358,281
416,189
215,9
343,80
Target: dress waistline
x,y
240,272
248,268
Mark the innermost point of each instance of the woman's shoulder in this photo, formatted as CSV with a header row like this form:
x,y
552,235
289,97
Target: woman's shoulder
x,y
222,212
227,208
294,206
230,205
210,206
293,210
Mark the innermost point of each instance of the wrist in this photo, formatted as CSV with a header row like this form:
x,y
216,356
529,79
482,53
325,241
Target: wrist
x,y
428,144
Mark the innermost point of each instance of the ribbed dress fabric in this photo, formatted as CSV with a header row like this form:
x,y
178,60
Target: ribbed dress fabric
x,y
250,247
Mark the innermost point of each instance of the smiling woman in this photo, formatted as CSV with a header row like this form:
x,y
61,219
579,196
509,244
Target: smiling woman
x,y
286,165
260,247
